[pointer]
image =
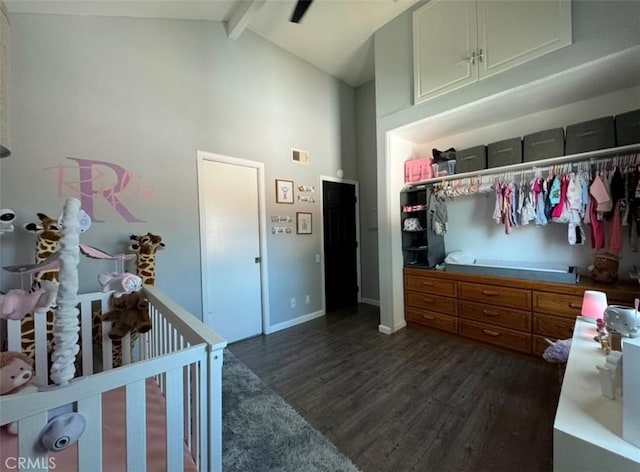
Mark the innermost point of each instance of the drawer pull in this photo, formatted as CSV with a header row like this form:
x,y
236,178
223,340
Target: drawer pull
x,y
427,284
427,317
491,293
574,305
427,300
490,333
490,313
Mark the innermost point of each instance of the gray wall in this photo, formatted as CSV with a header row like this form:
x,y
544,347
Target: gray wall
x,y
367,172
146,95
600,28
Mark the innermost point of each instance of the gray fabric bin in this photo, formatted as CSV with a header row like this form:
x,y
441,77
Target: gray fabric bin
x,y
590,135
628,128
543,145
471,159
504,153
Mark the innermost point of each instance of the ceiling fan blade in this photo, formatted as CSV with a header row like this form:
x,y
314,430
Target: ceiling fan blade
x,y
300,10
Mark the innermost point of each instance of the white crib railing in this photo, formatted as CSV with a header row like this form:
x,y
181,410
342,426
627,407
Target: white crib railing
x,y
180,353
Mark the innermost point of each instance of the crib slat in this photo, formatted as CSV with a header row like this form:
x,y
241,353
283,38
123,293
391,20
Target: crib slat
x,y
125,347
186,372
28,444
40,328
214,385
175,439
14,332
203,417
89,454
196,395
107,346
86,329
136,426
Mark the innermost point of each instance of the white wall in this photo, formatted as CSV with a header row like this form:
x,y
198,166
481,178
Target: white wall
x,y
146,95
366,141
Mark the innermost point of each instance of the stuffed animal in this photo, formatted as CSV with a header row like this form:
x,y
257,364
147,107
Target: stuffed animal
x,y
122,283
16,303
48,299
16,376
128,313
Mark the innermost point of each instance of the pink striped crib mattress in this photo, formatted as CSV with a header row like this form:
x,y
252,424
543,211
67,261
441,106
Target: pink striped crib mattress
x,y
114,438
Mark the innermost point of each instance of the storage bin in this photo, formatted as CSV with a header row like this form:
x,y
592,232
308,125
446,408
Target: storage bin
x,y
590,135
543,145
504,153
628,128
417,170
470,159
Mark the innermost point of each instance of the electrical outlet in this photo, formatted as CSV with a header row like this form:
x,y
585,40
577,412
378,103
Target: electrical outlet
x,y
293,303
307,300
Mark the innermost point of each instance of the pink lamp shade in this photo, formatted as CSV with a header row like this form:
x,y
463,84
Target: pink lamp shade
x,y
593,304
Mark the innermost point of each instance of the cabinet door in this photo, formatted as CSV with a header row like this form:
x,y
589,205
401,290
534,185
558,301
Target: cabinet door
x,y
444,37
514,32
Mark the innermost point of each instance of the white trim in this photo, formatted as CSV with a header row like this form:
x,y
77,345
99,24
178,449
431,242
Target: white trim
x,y
242,16
356,184
295,321
397,327
370,301
264,267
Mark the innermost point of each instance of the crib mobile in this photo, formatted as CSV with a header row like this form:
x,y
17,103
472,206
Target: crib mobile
x,y
65,426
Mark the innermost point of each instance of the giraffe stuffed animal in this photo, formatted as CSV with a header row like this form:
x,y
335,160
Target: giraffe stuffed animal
x,y
47,244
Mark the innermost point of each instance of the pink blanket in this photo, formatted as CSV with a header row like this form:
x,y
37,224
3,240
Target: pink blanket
x,y
113,437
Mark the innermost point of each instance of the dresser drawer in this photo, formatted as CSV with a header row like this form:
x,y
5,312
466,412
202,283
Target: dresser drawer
x,y
502,337
568,306
430,302
495,295
430,285
553,327
495,315
539,345
432,319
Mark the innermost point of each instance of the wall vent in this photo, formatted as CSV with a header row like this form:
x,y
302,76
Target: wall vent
x,y
299,156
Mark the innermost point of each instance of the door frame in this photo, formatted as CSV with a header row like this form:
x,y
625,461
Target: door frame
x,y
262,232
339,180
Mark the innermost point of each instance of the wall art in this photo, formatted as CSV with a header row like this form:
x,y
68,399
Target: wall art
x,y
284,191
303,223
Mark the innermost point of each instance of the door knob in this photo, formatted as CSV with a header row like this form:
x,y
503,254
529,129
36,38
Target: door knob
x,y
256,260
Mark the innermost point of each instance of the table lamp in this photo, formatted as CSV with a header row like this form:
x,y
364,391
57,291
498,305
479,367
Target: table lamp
x,y
593,305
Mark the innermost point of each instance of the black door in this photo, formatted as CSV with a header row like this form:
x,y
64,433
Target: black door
x,y
340,245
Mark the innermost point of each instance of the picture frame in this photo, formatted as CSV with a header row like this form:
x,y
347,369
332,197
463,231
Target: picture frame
x,y
284,191
303,223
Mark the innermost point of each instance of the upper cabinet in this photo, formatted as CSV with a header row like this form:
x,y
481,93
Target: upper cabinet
x,y
459,42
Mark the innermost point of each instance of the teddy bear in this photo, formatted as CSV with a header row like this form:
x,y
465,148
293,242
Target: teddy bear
x,y
16,376
128,313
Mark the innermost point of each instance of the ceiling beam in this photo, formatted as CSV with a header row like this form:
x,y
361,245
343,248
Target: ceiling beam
x,y
242,16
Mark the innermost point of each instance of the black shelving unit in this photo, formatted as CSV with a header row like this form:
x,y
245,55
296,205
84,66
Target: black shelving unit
x,y
421,246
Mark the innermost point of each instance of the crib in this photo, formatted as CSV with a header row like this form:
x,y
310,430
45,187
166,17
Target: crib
x,y
167,396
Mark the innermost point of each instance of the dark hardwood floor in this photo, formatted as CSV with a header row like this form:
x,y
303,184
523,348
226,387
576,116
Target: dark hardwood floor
x,y
418,400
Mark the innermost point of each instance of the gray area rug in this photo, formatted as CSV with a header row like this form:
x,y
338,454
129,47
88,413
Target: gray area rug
x,y
261,432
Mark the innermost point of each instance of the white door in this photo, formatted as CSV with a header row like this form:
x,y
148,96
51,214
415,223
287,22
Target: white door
x,y
231,249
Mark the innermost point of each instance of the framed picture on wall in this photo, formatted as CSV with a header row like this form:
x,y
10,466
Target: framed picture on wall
x,y
303,223
284,191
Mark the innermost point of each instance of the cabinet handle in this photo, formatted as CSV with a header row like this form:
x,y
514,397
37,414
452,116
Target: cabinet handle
x,y
574,305
427,300
466,60
490,333
426,317
491,293
427,284
480,55
490,313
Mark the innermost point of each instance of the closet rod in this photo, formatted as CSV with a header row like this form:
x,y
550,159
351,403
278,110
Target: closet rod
x,y
584,156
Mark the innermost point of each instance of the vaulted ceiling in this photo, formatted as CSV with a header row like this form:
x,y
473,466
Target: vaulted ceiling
x,y
333,35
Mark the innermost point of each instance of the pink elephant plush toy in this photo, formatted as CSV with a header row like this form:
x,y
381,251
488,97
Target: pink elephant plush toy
x,y
17,303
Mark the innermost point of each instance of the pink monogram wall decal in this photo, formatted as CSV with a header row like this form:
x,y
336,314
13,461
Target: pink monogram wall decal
x,y
93,180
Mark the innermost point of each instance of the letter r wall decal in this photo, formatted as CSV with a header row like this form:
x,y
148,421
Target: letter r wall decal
x,y
88,170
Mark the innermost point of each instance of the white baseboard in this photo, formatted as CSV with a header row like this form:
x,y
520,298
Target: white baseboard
x,y
296,321
370,301
397,327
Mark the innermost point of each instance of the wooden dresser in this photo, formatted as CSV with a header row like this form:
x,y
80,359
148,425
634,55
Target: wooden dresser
x,y
511,313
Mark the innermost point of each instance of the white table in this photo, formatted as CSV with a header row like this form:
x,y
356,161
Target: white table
x,y
587,432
